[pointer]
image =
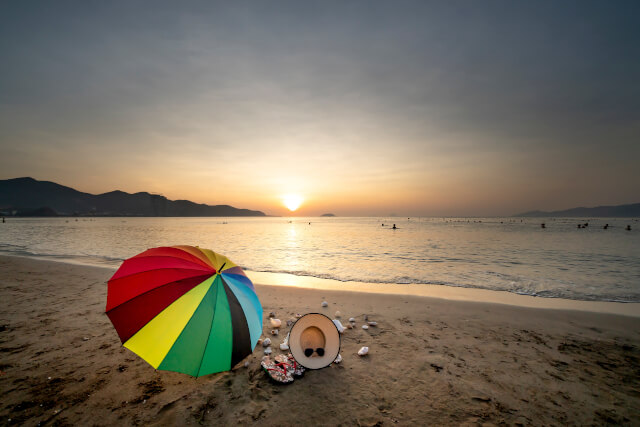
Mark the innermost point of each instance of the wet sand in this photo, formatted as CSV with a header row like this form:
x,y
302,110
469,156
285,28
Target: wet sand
x,y
431,361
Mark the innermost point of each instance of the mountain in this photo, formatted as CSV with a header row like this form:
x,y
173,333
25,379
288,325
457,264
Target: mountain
x,y
29,197
624,211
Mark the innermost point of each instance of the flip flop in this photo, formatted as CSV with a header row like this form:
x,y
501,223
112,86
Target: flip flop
x,y
298,369
277,369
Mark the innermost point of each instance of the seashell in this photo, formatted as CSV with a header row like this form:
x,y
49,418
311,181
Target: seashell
x,y
365,327
286,339
349,326
366,317
338,315
267,351
338,359
266,342
290,322
246,364
372,323
325,304
284,347
298,315
363,351
272,314
352,319
274,332
338,325
276,323
260,341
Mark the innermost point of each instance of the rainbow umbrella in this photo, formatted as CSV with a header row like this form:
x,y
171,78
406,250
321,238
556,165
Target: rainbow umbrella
x,y
185,309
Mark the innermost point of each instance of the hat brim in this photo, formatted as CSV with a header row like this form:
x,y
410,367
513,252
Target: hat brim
x,y
331,335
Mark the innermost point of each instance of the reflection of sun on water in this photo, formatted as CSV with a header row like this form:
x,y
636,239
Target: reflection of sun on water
x,y
292,201
292,262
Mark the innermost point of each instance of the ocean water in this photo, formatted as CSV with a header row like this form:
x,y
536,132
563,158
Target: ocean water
x,y
508,254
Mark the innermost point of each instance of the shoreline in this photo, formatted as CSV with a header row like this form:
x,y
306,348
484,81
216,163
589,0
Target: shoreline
x,y
452,293
446,292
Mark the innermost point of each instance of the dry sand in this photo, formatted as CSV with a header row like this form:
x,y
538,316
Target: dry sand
x,y
432,362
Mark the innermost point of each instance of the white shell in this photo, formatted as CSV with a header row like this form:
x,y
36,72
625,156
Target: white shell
x,y
286,340
274,332
246,364
352,319
284,347
338,325
325,304
373,323
349,326
267,350
363,351
365,327
266,342
338,359
276,323
338,315
272,314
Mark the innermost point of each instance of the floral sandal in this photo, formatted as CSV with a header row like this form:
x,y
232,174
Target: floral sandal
x,y
298,369
278,369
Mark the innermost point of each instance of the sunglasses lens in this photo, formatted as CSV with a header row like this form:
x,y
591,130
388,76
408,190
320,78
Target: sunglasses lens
x,y
308,352
320,351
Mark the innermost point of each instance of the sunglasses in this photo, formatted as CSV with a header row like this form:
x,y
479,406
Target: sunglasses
x,y
309,351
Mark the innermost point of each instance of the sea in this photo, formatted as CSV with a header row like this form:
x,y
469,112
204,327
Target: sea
x,y
505,254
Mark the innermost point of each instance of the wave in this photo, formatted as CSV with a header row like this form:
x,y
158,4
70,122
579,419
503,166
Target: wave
x,y
515,284
416,281
78,259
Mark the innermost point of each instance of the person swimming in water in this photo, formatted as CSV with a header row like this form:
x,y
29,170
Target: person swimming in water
x,y
394,226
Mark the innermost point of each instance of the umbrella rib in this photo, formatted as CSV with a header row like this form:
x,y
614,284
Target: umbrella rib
x,y
239,280
201,255
206,276
212,271
195,260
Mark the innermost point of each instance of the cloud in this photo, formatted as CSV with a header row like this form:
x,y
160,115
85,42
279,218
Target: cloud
x,y
427,100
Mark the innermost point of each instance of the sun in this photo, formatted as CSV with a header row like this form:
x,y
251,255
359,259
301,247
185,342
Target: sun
x,y
292,201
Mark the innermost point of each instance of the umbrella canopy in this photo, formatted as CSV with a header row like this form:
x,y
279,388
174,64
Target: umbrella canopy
x,y
185,309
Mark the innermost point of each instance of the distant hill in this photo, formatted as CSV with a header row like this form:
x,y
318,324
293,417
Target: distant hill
x,y
29,197
327,214
625,211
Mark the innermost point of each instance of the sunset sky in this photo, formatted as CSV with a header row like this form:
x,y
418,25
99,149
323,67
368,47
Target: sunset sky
x,y
361,108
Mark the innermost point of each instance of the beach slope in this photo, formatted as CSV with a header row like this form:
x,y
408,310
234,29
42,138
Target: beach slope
x,y
431,361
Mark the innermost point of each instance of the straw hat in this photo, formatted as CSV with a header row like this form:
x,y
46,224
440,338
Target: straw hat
x,y
314,341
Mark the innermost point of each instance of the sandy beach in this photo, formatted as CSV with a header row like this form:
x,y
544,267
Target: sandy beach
x,y
432,361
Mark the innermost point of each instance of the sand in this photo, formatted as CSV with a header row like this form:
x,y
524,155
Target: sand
x,y
431,361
